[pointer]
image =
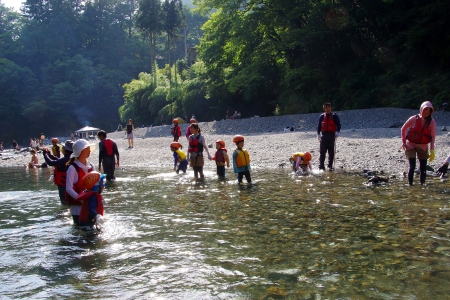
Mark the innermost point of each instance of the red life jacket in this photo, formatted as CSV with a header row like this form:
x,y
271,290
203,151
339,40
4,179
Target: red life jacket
x,y
108,146
219,157
176,131
194,145
77,187
419,134
83,197
59,177
328,124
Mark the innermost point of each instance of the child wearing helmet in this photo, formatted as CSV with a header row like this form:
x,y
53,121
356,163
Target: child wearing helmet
x,y
55,148
301,161
179,157
221,158
92,210
175,130
241,160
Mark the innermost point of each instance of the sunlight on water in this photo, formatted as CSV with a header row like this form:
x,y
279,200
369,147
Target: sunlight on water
x,y
325,235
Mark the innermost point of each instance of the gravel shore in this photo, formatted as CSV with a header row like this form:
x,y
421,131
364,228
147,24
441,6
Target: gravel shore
x,y
369,139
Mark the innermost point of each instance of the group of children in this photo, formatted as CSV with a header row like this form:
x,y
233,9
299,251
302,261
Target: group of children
x,y
194,156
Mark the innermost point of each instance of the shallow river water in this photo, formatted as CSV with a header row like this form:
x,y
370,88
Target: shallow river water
x,y
324,236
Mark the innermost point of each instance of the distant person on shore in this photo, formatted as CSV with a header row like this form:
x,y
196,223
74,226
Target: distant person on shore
x,y
92,209
42,140
175,130
241,160
34,144
301,162
56,150
327,131
107,154
221,158
78,166
119,127
179,157
417,132
197,145
188,129
1,147
14,145
59,164
130,129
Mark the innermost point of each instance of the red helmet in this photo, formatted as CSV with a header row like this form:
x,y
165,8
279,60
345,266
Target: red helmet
x,y
307,156
90,179
55,140
175,120
175,145
238,138
192,121
222,143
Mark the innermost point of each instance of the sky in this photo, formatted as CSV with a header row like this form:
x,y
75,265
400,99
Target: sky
x,y
16,4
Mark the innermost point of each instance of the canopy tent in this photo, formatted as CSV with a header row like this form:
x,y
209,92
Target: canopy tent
x,y
87,132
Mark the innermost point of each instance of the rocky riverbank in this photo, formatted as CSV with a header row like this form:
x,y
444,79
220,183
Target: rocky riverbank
x,y
369,139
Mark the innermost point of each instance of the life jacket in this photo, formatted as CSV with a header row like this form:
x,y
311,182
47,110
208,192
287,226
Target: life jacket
x,y
108,146
194,145
56,151
59,175
176,131
219,157
77,187
83,197
181,155
419,134
328,124
242,159
298,154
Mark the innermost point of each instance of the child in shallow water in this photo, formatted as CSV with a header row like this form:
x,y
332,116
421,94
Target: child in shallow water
x,y
179,157
241,160
301,162
92,210
221,158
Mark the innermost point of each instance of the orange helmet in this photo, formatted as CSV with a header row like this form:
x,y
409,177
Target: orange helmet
x,y
307,156
175,145
91,179
175,120
222,143
55,140
238,138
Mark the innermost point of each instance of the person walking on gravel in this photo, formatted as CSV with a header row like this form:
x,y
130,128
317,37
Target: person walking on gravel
x,y
327,131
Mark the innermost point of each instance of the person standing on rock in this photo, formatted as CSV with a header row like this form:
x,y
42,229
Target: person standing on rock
x,y
417,132
107,155
130,128
327,132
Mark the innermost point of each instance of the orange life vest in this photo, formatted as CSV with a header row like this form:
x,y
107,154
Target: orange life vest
x,y
108,146
419,134
77,187
59,177
242,159
328,124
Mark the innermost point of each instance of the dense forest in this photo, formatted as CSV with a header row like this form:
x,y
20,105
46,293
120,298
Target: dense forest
x,y
70,63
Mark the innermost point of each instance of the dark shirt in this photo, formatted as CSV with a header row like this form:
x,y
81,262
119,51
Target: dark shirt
x,y
102,151
54,161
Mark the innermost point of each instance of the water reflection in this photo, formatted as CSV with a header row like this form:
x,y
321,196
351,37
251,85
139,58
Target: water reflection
x,y
284,237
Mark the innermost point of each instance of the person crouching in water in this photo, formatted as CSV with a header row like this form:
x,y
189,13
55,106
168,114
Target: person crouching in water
x,y
78,166
92,210
417,132
179,157
59,175
241,160
221,158
197,144
301,162
107,154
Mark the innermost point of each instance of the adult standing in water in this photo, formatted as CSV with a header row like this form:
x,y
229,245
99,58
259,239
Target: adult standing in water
x,y
107,155
130,128
78,167
59,176
417,132
327,131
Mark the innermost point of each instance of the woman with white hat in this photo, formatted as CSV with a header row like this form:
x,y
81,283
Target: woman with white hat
x,y
78,167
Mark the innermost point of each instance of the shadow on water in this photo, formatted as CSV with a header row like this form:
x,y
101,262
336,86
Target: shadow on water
x,y
281,237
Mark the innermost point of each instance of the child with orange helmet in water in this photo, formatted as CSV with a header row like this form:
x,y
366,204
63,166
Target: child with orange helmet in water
x,y
241,160
92,210
179,157
221,158
301,161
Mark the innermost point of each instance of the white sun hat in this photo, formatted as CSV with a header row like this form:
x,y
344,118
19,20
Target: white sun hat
x,y
79,146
